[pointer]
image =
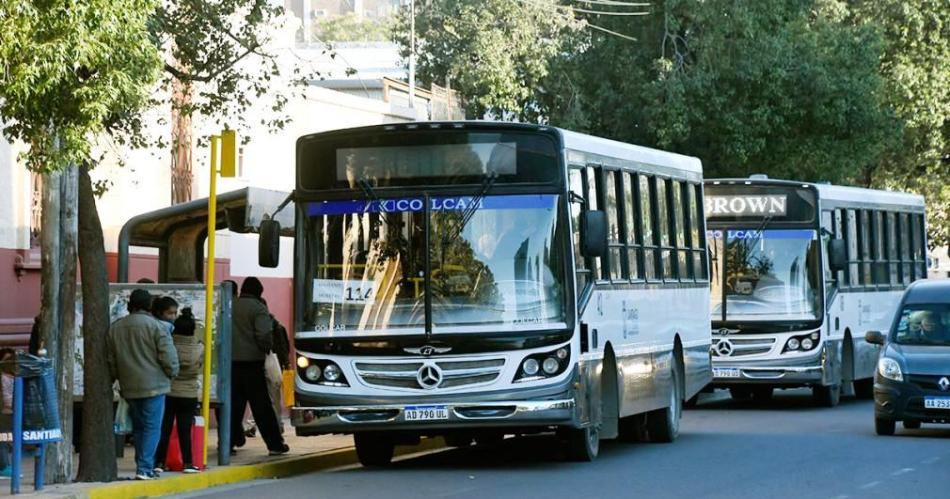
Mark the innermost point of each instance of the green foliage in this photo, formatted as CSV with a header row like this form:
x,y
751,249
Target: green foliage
x,y
496,52
352,28
916,69
67,69
222,53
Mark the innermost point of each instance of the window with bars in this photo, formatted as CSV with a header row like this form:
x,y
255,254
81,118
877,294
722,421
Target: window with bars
x,y
885,248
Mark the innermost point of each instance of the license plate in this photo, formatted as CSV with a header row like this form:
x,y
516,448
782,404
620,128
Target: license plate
x,y
727,372
426,413
937,403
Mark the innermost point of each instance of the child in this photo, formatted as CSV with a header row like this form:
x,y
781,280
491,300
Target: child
x,y
165,309
182,401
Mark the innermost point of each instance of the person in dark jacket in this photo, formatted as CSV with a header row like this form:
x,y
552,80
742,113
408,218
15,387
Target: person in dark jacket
x,y
141,355
251,329
182,401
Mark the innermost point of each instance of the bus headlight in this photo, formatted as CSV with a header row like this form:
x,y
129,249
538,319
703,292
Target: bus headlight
x,y
303,362
543,365
331,372
793,344
802,342
807,344
312,373
890,369
530,366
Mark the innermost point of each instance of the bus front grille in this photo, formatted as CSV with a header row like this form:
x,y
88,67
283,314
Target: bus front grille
x,y
742,347
406,374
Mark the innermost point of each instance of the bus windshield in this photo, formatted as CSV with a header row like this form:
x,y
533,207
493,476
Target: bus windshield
x,y
496,263
764,275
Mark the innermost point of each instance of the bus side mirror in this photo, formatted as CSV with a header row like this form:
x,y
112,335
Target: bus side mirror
x,y
874,337
594,233
268,244
837,255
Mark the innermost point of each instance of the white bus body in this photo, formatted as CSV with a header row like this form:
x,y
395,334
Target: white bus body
x,y
624,353
780,298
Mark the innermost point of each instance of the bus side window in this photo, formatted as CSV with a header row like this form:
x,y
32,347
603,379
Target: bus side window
x,y
663,228
920,249
907,270
593,203
681,227
645,196
854,276
576,187
615,244
893,258
631,230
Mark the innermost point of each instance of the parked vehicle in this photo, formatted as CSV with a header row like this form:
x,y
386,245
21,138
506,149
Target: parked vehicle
x,y
800,272
912,383
477,279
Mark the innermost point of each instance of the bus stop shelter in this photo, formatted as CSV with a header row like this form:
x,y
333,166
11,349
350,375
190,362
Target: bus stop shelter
x,y
179,232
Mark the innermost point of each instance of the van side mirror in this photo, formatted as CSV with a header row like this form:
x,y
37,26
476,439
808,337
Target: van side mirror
x,y
874,337
268,244
837,255
594,233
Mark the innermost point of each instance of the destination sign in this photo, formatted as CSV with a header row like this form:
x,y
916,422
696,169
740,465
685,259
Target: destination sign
x,y
763,205
452,203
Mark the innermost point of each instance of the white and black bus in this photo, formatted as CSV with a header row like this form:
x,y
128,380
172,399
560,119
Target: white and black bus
x,y
800,272
475,280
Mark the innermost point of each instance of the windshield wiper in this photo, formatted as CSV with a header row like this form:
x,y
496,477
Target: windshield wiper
x,y
469,212
367,189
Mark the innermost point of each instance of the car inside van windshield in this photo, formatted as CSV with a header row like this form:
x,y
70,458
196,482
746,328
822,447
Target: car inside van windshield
x,y
924,324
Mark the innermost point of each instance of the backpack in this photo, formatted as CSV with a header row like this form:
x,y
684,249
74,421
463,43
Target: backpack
x,y
281,345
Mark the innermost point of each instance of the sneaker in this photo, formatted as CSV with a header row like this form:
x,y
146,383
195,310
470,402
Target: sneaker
x,y
143,476
189,469
159,469
284,448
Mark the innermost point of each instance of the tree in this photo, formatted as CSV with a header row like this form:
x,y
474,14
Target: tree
x,y
916,70
67,68
497,53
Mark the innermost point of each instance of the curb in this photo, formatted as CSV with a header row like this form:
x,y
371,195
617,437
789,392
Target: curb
x,y
226,475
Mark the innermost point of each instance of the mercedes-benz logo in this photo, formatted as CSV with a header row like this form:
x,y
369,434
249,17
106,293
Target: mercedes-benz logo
x,y
944,384
429,376
724,348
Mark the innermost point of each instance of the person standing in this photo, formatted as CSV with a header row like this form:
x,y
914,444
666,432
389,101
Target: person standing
x,y
252,327
181,404
165,309
142,357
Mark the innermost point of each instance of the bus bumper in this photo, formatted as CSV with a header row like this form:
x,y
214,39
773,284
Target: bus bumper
x,y
348,419
822,369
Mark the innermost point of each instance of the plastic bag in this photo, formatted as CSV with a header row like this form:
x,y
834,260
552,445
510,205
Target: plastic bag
x,y
40,411
123,421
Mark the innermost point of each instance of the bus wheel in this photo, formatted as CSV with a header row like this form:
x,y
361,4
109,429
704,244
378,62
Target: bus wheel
x,y
864,388
374,449
663,425
884,427
826,396
583,444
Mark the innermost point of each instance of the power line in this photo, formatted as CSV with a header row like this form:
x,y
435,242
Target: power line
x,y
608,13
615,3
586,22
605,30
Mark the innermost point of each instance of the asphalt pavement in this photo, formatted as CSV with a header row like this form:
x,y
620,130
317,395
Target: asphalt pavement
x,y
786,448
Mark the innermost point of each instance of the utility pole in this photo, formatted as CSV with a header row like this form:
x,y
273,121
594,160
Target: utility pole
x,y
412,55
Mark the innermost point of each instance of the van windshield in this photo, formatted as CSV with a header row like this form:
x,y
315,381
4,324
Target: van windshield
x,y
924,324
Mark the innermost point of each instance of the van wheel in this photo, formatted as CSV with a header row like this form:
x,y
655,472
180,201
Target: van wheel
x,y
884,427
911,424
583,444
826,396
663,425
864,388
374,449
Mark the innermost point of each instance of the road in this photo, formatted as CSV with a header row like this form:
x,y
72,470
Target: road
x,y
727,449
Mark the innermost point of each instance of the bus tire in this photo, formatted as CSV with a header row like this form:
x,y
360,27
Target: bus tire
x,y
884,427
864,388
374,449
826,396
663,425
582,444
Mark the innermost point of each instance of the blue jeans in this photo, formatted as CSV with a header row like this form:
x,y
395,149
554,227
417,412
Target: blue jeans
x,y
146,417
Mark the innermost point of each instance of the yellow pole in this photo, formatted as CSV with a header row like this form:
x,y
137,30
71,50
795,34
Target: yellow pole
x,y
209,293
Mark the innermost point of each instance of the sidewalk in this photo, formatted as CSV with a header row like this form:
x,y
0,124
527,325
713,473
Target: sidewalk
x,y
249,462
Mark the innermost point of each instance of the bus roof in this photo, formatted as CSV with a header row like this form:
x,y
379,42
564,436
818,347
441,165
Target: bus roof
x,y
629,152
839,193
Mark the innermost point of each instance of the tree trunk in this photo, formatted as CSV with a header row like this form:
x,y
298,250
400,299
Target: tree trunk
x,y
50,285
97,444
59,457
